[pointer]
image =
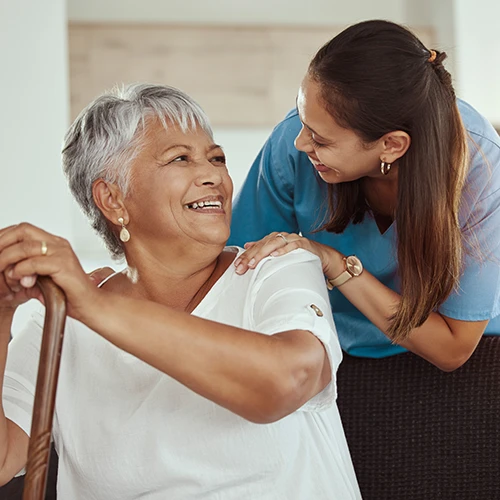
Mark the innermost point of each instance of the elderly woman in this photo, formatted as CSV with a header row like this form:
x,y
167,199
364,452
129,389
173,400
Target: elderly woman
x,y
179,379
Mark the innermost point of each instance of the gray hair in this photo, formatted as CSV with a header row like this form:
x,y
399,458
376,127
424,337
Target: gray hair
x,y
107,136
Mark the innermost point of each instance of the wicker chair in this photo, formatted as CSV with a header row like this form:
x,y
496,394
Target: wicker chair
x,y
416,433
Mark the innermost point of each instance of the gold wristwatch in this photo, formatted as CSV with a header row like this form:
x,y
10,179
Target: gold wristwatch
x,y
353,268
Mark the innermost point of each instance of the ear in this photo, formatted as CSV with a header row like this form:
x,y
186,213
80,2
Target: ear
x,y
109,199
395,145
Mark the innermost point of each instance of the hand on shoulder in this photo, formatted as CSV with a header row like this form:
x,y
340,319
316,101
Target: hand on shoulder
x,y
277,244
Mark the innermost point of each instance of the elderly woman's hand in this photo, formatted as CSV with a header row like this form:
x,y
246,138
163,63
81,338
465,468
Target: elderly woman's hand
x,y
27,251
277,244
13,293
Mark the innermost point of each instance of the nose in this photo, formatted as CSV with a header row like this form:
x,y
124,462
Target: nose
x,y
209,174
301,142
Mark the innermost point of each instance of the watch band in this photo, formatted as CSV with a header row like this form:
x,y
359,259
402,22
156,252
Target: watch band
x,y
339,280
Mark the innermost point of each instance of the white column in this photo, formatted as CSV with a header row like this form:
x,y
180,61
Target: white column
x,y
477,55
34,116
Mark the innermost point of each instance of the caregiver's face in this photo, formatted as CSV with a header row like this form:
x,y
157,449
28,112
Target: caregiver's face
x,y
180,189
337,153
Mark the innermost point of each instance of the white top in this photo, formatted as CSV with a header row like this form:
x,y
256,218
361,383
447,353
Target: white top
x,y
124,430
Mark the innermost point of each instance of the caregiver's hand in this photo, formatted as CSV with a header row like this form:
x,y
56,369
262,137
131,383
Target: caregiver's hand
x,y
27,251
277,244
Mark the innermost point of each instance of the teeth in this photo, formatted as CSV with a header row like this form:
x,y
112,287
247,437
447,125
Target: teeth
x,y
206,204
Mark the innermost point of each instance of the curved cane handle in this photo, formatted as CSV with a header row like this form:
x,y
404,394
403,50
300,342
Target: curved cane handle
x,y
45,396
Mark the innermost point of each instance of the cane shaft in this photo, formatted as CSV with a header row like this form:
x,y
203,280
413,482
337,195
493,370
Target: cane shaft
x,y
46,386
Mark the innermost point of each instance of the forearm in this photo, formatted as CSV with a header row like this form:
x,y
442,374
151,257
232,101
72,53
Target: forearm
x,y
13,441
434,340
256,376
5,328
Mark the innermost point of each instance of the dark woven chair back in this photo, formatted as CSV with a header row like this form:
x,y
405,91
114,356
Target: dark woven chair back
x,y
417,433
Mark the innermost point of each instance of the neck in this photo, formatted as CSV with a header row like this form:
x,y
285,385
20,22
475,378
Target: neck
x,y
381,193
174,279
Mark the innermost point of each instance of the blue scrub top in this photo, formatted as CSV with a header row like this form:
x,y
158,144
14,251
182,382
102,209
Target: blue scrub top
x,y
282,192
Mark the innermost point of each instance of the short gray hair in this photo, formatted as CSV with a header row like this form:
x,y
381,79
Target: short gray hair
x,y
107,136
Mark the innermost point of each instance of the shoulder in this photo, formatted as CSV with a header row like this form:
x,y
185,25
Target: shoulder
x,y
295,264
478,127
483,179
287,129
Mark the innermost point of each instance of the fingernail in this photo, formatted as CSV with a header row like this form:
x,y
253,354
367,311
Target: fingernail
x,y
10,273
237,262
28,281
251,263
239,269
9,297
274,254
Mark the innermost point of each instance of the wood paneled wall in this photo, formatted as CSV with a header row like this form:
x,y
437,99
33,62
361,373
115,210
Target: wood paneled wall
x,y
241,76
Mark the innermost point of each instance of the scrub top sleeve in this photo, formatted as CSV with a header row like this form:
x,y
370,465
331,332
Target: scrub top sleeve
x,y
478,295
292,295
265,201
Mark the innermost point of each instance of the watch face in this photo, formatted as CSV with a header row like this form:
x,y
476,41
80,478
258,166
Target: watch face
x,y
353,265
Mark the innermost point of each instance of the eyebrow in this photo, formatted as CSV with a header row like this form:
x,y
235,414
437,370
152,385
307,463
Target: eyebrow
x,y
189,148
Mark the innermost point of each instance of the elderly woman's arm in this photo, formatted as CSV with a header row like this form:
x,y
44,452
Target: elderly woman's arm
x,y
13,440
259,377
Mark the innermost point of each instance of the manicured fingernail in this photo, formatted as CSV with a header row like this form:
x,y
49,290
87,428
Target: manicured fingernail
x,y
251,263
237,262
274,254
239,269
10,273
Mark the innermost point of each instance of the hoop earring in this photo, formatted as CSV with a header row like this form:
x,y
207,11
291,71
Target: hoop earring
x,y
385,168
124,234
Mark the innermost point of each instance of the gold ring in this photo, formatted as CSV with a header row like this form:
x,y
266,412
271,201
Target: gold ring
x,y
279,235
44,248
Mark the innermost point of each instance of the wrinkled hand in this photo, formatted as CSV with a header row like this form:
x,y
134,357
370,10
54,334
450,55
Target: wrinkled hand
x,y
13,293
277,244
27,251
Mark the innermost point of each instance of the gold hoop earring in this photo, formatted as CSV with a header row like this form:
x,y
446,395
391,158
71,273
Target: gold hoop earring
x,y
385,168
124,234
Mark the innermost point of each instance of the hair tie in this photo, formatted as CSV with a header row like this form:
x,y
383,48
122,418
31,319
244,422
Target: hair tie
x,y
432,56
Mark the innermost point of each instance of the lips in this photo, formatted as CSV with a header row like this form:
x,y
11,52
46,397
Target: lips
x,y
320,167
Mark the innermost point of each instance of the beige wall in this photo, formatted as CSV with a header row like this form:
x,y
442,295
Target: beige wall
x,y
241,75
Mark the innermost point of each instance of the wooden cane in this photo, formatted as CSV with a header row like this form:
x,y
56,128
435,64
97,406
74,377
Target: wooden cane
x,y
35,482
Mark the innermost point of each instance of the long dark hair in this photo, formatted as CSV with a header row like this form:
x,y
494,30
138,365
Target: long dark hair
x,y
377,77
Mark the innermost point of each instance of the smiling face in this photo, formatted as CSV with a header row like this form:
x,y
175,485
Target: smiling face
x,y
180,189
337,153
